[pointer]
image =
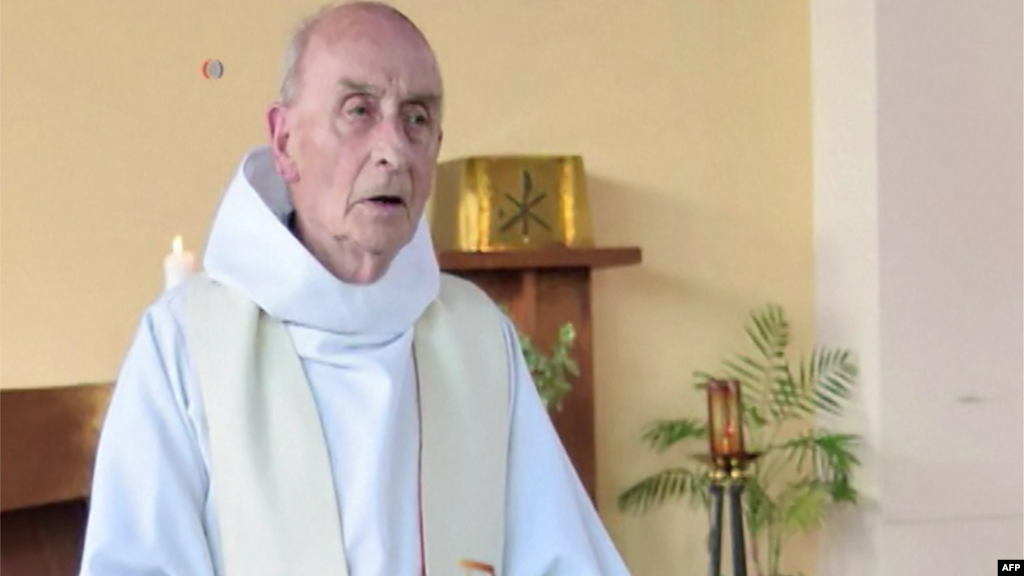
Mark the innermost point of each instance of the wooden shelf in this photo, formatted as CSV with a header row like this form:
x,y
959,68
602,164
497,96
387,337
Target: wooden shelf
x,y
544,258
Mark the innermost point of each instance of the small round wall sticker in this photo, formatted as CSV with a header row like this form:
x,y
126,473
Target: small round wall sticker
x,y
212,69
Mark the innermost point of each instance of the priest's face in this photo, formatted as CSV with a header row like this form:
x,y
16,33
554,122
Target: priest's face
x,y
359,143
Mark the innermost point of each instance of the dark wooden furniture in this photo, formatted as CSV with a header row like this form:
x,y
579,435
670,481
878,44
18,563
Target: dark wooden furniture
x,y
47,445
543,289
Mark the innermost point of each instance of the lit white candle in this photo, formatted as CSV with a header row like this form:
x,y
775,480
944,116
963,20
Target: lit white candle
x,y
177,265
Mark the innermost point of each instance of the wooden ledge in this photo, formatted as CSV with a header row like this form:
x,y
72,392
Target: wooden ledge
x,y
48,442
555,257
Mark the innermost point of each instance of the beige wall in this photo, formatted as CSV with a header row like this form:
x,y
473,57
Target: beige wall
x,y
693,118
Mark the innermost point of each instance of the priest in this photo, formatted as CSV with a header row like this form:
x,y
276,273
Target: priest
x,y
321,400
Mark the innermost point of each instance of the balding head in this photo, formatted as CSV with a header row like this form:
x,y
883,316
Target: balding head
x,y
356,135
330,20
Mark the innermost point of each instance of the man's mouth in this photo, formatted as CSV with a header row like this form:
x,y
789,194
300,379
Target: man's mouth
x,y
387,200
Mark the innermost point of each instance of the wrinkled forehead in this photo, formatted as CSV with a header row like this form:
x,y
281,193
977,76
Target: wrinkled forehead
x,y
378,50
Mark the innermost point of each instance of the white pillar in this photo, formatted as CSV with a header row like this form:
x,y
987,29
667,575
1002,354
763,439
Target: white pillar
x,y
845,151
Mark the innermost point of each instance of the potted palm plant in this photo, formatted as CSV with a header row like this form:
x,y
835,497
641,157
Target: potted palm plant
x,y
804,471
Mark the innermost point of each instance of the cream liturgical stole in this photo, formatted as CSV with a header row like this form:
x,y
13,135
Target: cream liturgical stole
x,y
276,506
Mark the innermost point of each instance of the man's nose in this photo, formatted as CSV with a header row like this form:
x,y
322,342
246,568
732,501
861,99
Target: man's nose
x,y
391,145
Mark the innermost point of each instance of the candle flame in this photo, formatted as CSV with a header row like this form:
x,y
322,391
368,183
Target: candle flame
x,y
176,246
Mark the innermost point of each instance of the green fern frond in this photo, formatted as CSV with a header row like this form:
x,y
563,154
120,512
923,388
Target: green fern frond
x,y
759,506
663,434
765,381
768,329
831,454
747,370
833,374
803,505
835,456
669,484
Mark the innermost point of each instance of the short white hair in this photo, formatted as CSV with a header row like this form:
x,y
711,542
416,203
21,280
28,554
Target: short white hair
x,y
298,42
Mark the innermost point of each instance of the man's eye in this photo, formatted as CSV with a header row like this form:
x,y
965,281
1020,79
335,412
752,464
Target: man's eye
x,y
418,119
359,111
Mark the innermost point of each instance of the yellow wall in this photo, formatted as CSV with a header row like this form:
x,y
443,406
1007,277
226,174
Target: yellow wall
x,y
693,117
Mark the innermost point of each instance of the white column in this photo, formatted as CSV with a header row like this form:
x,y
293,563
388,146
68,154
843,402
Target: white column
x,y
845,150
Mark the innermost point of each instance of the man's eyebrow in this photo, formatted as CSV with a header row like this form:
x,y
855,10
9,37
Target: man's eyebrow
x,y
359,87
426,98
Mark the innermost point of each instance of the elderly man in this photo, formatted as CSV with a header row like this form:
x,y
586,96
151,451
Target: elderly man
x,y
322,400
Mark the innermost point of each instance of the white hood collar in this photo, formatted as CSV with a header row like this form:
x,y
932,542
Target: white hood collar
x,y
251,249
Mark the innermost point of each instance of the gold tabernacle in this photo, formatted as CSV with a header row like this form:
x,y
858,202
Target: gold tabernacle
x,y
502,203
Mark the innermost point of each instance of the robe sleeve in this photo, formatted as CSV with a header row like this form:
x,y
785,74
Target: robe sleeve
x,y
552,527
149,482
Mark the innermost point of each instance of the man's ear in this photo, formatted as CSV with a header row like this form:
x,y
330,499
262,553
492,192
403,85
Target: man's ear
x,y
280,130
